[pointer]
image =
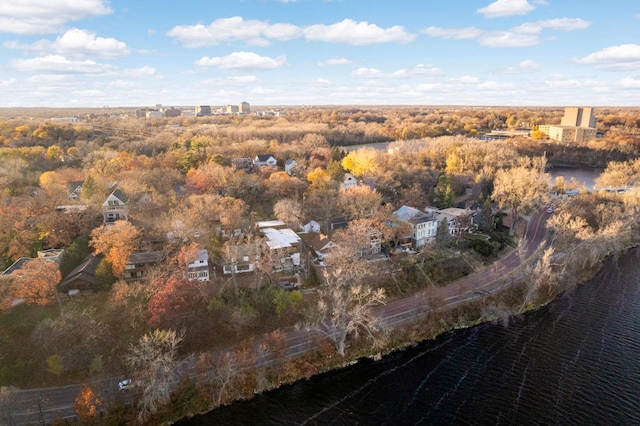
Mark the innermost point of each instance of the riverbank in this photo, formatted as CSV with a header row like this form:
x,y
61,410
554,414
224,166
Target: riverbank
x,y
509,297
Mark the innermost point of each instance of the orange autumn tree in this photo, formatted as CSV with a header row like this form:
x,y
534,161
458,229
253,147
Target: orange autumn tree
x,y
87,404
36,282
116,242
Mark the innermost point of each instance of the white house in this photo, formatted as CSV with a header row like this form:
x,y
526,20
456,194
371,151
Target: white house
x,y
265,160
284,246
349,182
289,166
199,268
115,207
312,226
424,226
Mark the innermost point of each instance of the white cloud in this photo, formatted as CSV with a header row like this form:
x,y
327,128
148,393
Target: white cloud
x,y
243,60
224,30
630,82
357,33
56,64
7,83
453,33
504,8
565,24
508,39
367,73
614,58
323,82
559,24
525,66
335,61
261,33
467,79
46,16
242,79
143,72
417,71
76,43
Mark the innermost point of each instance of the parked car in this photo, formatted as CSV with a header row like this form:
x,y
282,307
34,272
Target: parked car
x,y
550,209
128,384
125,384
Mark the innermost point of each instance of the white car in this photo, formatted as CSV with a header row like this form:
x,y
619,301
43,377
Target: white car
x,y
550,209
125,384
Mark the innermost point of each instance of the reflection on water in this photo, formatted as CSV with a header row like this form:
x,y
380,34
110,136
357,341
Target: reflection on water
x,y
584,177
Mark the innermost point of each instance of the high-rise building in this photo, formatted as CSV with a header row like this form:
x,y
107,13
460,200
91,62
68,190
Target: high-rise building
x,y
202,110
577,125
579,117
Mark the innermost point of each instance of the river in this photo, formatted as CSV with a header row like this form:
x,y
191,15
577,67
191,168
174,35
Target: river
x,y
573,362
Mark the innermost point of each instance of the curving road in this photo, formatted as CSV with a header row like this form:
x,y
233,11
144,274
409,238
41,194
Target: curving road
x,y
38,406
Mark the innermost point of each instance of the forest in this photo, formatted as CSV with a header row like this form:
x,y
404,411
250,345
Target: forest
x,y
193,183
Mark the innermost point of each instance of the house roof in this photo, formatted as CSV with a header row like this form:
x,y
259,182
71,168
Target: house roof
x,y
289,162
264,157
145,257
320,242
73,185
120,195
17,265
86,271
202,260
406,213
239,251
281,238
270,224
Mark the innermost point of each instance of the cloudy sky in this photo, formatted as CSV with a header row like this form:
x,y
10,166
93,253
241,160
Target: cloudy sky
x,y
71,53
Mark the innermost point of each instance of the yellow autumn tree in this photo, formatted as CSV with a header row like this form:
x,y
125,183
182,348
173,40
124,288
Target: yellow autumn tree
x,y
116,242
319,178
362,162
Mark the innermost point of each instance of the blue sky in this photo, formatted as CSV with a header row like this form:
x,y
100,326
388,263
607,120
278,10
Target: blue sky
x,y
93,53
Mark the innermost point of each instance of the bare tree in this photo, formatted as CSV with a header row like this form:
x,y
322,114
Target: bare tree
x,y
520,189
345,301
347,311
154,358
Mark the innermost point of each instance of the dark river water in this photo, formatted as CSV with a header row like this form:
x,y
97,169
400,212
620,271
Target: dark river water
x,y
573,362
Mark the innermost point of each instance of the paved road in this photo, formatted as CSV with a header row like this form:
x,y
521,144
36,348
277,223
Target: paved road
x,y
47,404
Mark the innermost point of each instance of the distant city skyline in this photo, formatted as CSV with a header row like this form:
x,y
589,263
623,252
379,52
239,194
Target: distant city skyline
x,y
92,53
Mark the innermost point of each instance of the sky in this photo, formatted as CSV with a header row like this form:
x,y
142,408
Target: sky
x,y
97,53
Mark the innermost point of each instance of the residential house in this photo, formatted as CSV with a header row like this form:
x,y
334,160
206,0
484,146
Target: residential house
x,y
199,268
244,164
74,189
265,160
456,218
374,245
115,207
240,258
139,263
290,166
424,226
320,244
349,182
312,226
284,248
82,278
